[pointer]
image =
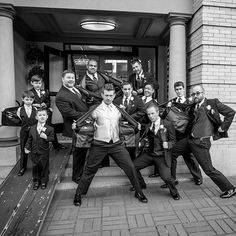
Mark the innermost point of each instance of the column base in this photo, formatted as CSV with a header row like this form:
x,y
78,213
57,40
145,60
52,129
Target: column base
x,y
9,142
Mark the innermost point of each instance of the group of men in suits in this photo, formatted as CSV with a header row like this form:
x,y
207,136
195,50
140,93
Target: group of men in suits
x,y
163,145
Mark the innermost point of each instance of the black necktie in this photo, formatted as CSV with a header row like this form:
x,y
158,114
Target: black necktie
x,y
153,128
95,79
145,100
126,103
77,92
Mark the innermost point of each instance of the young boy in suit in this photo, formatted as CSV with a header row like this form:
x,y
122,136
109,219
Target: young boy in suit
x,y
27,115
42,100
38,144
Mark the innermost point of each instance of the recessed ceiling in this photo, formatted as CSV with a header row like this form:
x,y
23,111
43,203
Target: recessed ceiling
x,y
64,26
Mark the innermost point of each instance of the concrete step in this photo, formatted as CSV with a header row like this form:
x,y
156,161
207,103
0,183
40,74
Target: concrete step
x,y
114,170
115,181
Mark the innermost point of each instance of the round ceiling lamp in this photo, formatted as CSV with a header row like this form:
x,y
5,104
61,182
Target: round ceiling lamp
x,y
98,25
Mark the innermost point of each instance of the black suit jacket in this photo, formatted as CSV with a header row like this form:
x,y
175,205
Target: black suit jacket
x,y
213,109
71,108
38,145
147,78
135,108
168,136
45,98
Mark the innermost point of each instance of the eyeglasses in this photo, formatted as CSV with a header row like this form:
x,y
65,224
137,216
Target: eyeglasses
x,y
196,94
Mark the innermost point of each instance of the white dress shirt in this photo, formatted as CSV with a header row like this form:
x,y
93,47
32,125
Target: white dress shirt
x,y
92,76
40,127
106,123
148,99
181,99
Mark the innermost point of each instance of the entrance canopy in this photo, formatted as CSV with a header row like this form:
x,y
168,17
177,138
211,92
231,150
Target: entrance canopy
x,y
137,22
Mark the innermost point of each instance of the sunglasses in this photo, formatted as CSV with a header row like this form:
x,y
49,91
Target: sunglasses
x,y
196,94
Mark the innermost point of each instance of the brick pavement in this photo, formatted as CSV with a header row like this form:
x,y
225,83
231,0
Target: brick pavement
x,y
115,212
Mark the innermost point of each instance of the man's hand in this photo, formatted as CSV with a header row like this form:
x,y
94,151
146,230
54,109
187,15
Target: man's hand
x,y
122,107
169,104
220,130
140,90
139,126
27,151
73,126
43,135
165,145
134,93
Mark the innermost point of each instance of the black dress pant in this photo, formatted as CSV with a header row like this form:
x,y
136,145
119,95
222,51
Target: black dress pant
x,y
24,135
200,148
79,157
40,167
181,149
146,160
118,153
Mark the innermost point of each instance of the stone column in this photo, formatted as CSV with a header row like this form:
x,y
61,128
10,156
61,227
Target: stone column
x,y
177,51
7,73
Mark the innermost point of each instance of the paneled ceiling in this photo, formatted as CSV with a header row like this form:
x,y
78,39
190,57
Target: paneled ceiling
x,y
59,25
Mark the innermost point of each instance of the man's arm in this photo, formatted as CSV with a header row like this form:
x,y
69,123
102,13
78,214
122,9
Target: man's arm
x,y
66,109
228,114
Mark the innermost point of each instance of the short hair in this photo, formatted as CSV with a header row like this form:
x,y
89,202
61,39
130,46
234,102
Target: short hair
x,y
178,83
153,104
42,109
126,83
28,94
149,83
67,72
108,87
136,60
92,59
36,78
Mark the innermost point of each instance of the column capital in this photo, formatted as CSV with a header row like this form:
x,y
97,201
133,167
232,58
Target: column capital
x,y
178,18
7,10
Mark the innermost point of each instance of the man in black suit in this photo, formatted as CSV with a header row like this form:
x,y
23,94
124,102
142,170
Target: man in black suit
x,y
189,159
133,105
139,77
160,137
92,80
71,105
107,141
147,99
206,122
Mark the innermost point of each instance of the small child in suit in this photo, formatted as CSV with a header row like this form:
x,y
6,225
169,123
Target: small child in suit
x,y
38,144
42,100
27,115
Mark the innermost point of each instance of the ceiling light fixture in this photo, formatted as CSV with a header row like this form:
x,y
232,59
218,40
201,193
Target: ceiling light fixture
x,y
98,25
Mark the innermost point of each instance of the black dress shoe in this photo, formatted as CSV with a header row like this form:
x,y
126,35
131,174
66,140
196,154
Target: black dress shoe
x,y
77,200
141,197
154,175
229,193
176,196
43,186
166,186
133,189
36,185
198,181
21,172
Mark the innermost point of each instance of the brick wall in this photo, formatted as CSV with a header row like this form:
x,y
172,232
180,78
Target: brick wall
x,y
211,61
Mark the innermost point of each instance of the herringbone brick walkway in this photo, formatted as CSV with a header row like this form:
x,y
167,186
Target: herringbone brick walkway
x,y
115,212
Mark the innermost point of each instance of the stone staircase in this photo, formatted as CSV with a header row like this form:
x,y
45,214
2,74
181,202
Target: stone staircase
x,y
113,176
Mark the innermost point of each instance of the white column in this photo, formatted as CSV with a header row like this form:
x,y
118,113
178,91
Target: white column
x,y
177,52
7,73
